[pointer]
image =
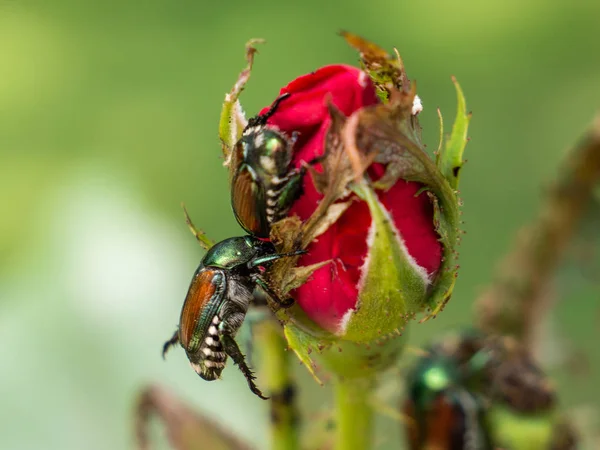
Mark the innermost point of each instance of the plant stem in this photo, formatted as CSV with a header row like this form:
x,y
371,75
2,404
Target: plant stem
x,y
355,369
354,414
277,375
515,301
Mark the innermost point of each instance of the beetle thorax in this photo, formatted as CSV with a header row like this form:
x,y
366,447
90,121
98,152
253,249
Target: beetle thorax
x,y
267,150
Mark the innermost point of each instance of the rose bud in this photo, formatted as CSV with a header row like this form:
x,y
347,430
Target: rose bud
x,y
378,217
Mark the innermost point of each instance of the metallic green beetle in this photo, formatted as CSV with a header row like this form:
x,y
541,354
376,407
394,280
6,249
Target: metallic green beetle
x,y
444,414
263,184
217,301
464,377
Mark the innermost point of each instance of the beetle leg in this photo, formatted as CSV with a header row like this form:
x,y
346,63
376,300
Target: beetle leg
x,y
232,349
290,192
293,188
271,293
170,343
255,317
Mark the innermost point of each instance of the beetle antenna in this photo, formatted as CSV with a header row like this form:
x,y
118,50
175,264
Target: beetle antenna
x,y
269,258
200,235
261,119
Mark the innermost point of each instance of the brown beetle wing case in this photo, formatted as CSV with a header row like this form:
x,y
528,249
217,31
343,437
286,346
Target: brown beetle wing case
x,y
248,202
201,304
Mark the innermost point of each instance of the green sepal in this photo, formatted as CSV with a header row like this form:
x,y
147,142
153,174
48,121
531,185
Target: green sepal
x,y
449,162
303,344
449,157
446,220
392,288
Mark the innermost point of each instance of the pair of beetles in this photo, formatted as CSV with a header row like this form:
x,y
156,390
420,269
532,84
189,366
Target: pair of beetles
x,y
263,188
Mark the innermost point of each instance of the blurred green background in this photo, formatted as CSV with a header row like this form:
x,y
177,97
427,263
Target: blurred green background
x,y
108,120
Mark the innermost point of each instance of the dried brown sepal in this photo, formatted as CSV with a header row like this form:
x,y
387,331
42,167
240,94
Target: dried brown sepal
x,y
333,181
393,86
360,158
334,162
286,236
332,215
301,274
185,428
384,134
386,71
290,234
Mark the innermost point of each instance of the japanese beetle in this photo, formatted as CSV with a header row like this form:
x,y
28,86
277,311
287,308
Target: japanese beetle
x,y
443,413
263,184
471,388
498,367
217,301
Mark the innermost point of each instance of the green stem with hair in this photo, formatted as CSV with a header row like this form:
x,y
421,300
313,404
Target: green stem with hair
x,y
354,413
357,368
